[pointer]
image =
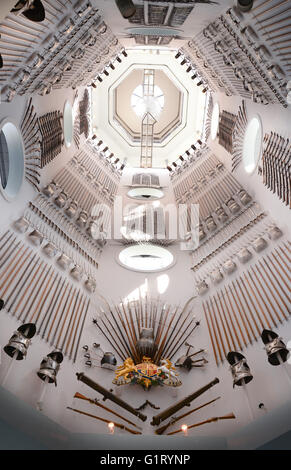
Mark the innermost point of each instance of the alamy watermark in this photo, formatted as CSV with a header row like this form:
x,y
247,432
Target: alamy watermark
x,y
146,222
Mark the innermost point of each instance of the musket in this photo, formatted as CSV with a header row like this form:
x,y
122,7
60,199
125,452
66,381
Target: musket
x,y
118,425
210,420
97,403
162,429
157,419
110,396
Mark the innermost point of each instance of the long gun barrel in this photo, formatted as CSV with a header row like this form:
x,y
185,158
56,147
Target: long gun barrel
x,y
110,396
180,404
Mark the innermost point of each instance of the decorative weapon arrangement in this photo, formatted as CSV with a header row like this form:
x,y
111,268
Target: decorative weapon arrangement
x,y
51,130
33,291
31,141
146,335
226,130
276,166
257,300
84,118
34,60
238,62
239,132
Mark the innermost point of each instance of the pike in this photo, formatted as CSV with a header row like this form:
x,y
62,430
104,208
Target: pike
x,y
259,304
222,322
52,305
16,272
118,425
171,346
81,331
173,421
266,295
226,321
71,326
57,310
81,310
9,306
97,403
122,339
13,266
274,297
234,298
110,396
210,334
248,307
275,289
210,420
231,320
26,291
7,249
68,300
157,419
65,316
40,279
115,345
276,269
276,279
184,339
211,310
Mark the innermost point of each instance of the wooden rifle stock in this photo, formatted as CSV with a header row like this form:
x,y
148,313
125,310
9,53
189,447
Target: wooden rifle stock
x,y
110,396
118,425
95,402
180,404
174,420
210,420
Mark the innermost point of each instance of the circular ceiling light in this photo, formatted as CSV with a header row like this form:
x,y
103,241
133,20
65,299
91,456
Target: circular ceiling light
x,y
252,144
214,121
11,160
146,194
68,124
145,258
147,104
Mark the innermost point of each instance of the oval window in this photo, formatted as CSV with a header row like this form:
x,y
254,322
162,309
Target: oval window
x,y
11,160
252,144
145,258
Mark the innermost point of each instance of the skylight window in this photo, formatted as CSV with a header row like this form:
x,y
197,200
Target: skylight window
x,y
142,104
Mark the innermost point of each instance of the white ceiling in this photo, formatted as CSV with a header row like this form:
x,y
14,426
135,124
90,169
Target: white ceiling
x,y
192,113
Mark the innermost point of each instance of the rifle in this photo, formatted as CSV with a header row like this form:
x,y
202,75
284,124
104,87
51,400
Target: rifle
x,y
110,396
180,404
96,402
210,420
174,420
118,425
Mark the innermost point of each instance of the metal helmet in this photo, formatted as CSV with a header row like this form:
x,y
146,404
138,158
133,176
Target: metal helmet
x,y
20,341
240,370
146,345
108,361
50,366
275,347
